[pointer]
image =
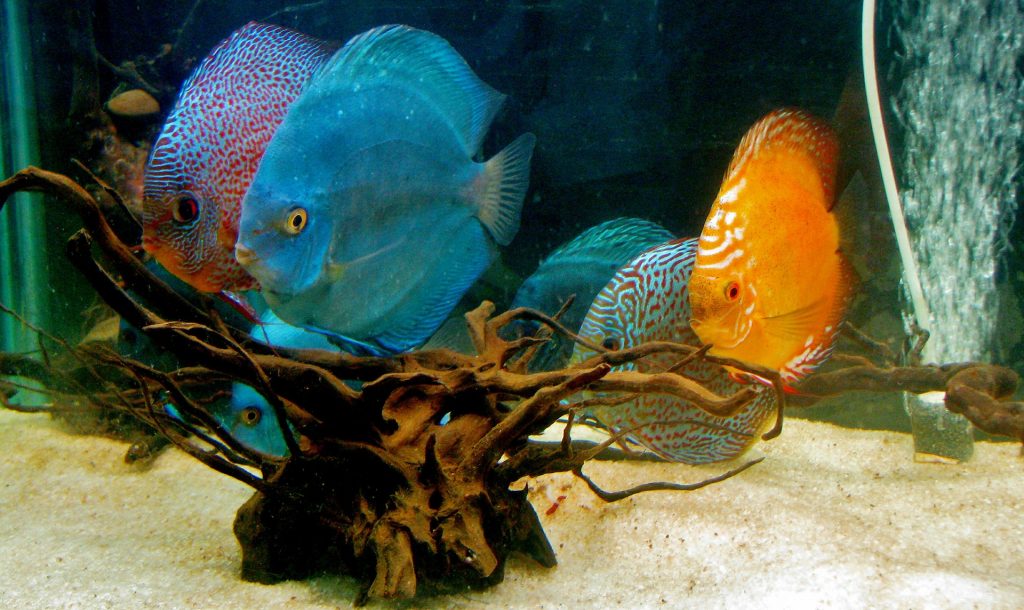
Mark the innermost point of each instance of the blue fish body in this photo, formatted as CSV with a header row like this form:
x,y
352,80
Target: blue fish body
x,y
581,267
648,300
247,415
250,419
368,217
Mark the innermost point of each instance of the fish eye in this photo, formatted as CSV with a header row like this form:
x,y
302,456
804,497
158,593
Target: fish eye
x,y
610,343
296,221
251,416
732,291
185,210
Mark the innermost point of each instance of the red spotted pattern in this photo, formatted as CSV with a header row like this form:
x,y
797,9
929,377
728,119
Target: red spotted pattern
x,y
212,143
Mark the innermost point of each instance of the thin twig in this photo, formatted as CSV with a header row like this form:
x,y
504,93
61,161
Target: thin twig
x,y
615,496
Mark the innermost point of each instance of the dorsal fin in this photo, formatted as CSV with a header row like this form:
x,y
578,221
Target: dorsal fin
x,y
424,63
794,129
619,239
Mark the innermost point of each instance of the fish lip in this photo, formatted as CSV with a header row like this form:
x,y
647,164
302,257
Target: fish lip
x,y
245,255
717,337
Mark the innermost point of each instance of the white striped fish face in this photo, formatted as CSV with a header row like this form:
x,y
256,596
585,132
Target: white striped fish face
x,y
722,298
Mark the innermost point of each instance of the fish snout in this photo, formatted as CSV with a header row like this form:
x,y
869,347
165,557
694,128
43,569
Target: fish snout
x,y
245,255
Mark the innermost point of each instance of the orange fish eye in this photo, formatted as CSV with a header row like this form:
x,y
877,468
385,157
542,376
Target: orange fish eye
x,y
610,344
185,210
251,416
296,221
732,291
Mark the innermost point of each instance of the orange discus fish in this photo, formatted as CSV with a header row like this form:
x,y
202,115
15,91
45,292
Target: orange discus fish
x,y
770,285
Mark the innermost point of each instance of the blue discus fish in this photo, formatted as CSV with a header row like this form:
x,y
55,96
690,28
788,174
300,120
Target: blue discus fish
x,y
648,300
368,217
247,415
250,419
581,267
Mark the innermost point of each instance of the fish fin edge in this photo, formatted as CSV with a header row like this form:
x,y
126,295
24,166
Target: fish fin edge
x,y
506,177
622,238
429,65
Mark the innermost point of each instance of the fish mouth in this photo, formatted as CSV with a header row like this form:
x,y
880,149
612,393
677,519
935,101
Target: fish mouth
x,y
716,335
245,255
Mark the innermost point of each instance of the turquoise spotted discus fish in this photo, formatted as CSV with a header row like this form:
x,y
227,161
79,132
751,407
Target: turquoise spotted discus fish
x,y
580,267
648,300
369,216
209,148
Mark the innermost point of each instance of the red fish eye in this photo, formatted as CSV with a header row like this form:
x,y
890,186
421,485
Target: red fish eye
x,y
185,210
610,343
732,291
251,416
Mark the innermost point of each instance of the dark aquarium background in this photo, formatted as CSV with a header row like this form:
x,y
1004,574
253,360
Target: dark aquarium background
x,y
637,106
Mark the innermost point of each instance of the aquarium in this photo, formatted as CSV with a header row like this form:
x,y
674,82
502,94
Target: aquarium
x,y
510,303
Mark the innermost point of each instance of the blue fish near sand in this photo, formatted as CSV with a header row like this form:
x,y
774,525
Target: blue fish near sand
x,y
247,415
250,419
581,267
368,217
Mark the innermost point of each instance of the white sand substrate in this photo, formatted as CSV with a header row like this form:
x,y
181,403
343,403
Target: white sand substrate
x,y
833,518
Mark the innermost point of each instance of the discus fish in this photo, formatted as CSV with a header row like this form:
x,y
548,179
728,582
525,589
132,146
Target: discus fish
x,y
250,420
209,148
368,218
648,300
247,415
581,267
770,285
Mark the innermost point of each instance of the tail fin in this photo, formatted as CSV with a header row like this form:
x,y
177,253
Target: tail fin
x,y
506,178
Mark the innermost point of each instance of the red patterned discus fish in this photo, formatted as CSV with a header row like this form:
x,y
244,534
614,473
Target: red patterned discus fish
x,y
770,285
211,144
648,300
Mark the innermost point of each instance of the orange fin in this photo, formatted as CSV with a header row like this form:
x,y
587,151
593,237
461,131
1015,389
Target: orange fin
x,y
791,129
798,323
